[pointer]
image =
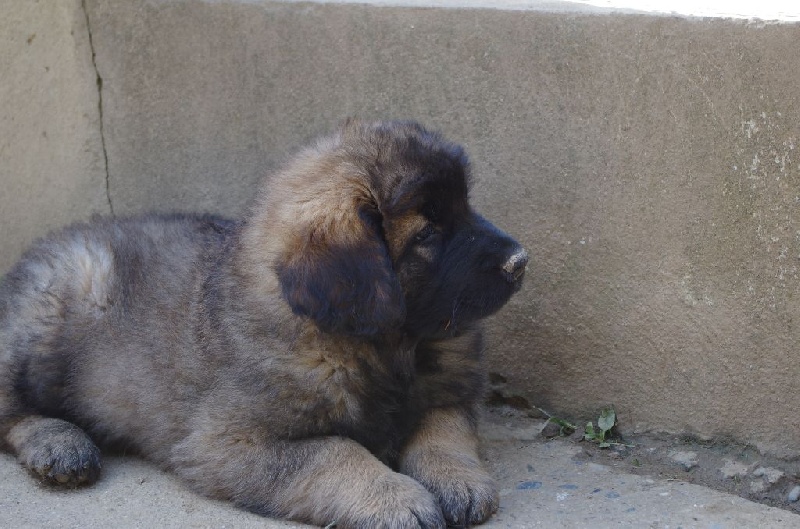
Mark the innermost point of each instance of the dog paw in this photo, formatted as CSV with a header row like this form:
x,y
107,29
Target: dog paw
x,y
397,502
57,452
466,493
467,500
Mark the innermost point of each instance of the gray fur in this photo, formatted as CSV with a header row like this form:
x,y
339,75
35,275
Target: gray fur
x,y
194,341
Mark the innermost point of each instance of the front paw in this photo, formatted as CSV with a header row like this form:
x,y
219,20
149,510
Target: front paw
x,y
57,452
395,501
466,493
467,500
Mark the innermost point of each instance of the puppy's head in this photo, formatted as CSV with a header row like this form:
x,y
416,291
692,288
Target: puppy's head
x,y
384,239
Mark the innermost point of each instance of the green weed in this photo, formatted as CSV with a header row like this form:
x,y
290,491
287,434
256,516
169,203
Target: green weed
x,y
602,434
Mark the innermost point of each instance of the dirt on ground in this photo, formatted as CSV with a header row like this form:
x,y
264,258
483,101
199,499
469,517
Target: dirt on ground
x,y
719,464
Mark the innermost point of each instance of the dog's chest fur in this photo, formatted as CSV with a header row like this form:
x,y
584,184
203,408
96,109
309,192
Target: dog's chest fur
x,y
371,393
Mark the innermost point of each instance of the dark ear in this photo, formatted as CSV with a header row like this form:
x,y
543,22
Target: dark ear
x,y
340,275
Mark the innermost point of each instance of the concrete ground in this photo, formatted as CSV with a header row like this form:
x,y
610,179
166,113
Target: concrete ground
x,y
544,483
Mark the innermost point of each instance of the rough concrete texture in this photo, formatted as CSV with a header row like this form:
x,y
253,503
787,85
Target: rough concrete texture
x,y
543,484
51,157
647,163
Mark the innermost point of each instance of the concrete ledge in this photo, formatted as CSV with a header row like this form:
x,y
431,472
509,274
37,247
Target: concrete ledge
x,y
648,163
543,6
770,11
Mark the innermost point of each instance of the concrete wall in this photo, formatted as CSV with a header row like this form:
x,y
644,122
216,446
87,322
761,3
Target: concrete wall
x,y
648,163
52,168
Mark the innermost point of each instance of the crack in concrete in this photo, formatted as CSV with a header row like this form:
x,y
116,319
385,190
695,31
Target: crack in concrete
x,y
99,82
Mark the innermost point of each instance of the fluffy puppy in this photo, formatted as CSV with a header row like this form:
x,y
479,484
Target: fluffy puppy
x,y
319,360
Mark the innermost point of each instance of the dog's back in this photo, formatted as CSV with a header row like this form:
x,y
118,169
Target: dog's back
x,y
131,283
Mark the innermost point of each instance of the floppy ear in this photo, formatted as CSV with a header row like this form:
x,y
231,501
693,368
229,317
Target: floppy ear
x,y
340,275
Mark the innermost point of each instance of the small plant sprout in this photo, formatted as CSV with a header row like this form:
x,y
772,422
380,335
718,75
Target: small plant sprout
x,y
565,427
601,434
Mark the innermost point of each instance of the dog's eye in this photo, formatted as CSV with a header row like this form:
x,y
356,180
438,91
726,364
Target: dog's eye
x,y
425,233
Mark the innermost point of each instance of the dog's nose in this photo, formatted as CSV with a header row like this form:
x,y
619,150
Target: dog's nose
x,y
515,265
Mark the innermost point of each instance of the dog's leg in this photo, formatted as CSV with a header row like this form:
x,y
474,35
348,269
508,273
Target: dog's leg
x,y
443,456
320,481
56,451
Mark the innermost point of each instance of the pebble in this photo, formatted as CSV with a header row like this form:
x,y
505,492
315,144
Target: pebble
x,y
529,485
794,494
732,469
551,430
772,475
688,460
